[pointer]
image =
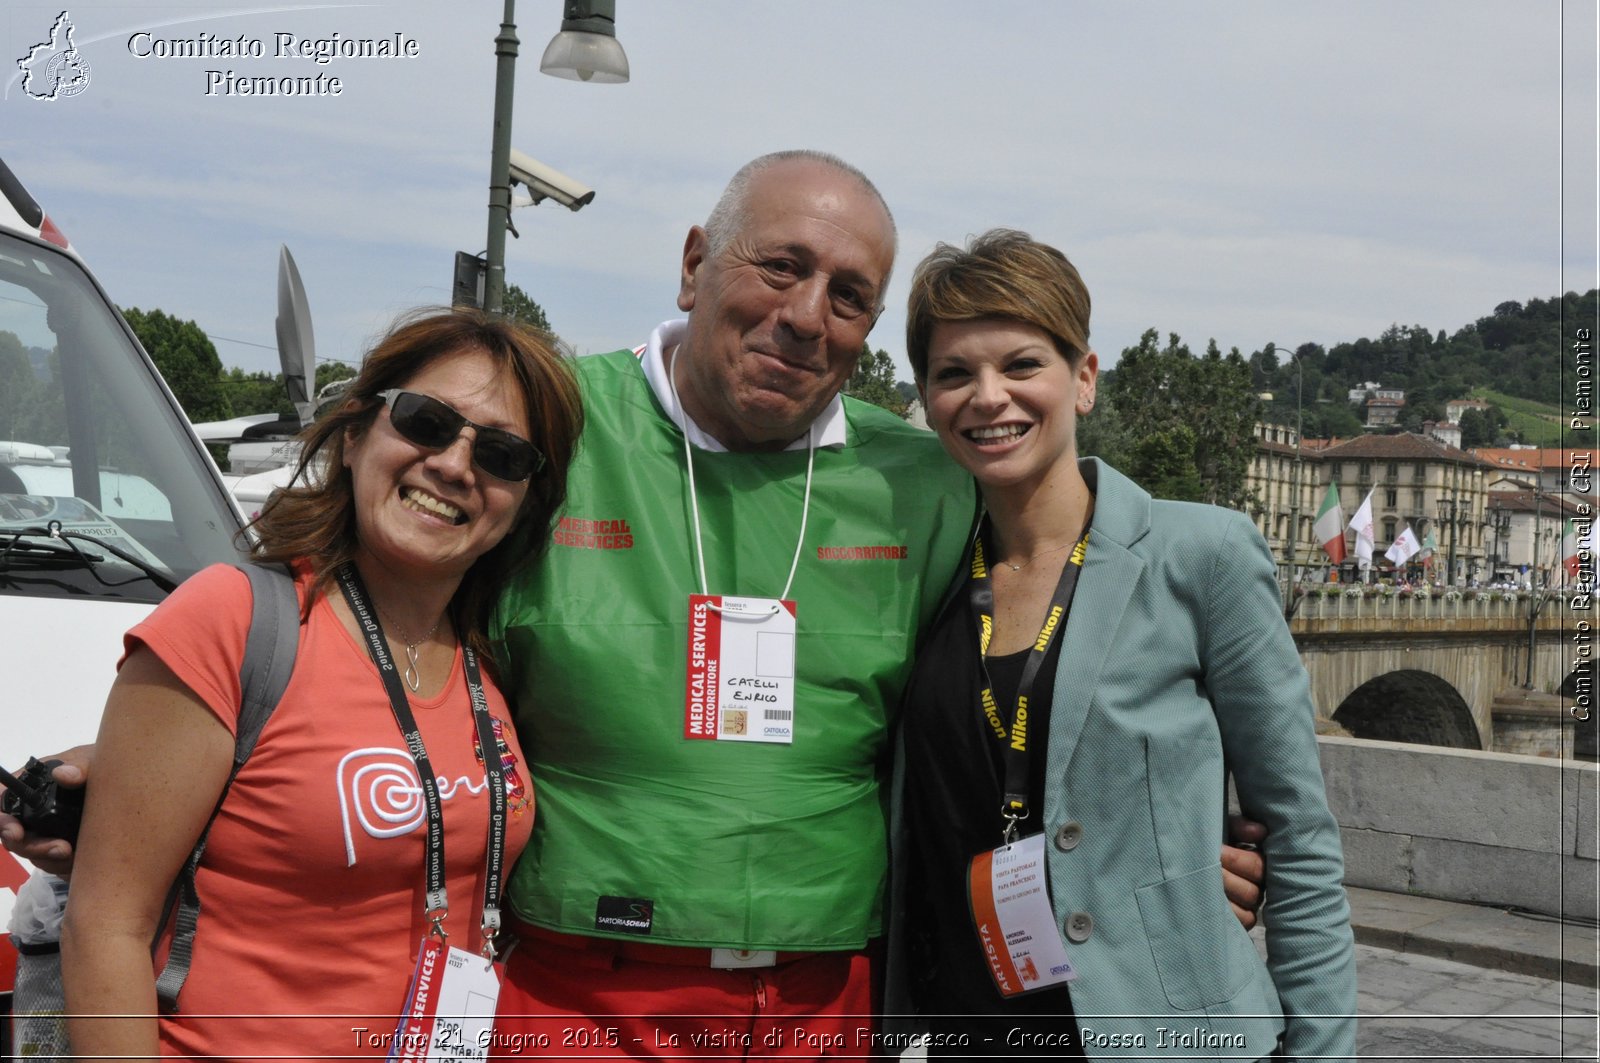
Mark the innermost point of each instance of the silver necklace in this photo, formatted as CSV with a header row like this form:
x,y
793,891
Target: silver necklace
x,y
412,676
1035,557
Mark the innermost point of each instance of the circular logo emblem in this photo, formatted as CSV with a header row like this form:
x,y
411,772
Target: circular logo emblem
x,y
67,74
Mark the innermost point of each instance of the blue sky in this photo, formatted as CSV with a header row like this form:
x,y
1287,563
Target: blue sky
x,y
1247,170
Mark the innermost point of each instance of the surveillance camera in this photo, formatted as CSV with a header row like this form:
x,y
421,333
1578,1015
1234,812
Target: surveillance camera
x,y
546,182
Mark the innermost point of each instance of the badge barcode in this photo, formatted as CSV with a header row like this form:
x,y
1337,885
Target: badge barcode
x,y
777,714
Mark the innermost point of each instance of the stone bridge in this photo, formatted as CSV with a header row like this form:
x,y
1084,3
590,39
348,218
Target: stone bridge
x,y
1445,673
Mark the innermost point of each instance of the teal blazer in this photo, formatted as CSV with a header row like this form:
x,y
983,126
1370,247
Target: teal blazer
x,y
1176,660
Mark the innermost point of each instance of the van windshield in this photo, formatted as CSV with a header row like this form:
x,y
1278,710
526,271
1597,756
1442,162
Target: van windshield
x,y
103,491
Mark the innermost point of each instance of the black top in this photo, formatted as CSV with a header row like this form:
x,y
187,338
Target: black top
x,y
952,813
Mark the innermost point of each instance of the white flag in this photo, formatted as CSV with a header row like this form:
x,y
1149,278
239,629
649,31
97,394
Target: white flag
x,y
1405,546
1361,524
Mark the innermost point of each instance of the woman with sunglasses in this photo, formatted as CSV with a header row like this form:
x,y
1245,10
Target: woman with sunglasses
x,y
1103,660
365,830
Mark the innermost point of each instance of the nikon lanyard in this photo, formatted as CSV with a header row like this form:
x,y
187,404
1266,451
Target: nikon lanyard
x,y
436,905
1013,735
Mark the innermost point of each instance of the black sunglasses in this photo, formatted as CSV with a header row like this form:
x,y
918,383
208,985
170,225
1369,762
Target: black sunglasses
x,y
427,422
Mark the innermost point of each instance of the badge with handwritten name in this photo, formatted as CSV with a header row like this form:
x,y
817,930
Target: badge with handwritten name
x,y
1011,913
741,669
449,1010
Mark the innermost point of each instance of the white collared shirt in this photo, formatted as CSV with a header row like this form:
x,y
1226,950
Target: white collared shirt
x,y
829,425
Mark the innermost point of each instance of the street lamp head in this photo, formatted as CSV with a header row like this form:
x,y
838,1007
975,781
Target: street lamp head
x,y
587,49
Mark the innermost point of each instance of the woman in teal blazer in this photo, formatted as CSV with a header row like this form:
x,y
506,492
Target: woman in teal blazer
x,y
1089,681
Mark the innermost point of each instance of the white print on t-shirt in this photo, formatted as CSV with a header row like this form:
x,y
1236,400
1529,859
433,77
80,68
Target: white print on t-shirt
x,y
381,786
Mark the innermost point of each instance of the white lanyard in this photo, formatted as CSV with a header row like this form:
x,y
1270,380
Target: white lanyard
x,y
694,504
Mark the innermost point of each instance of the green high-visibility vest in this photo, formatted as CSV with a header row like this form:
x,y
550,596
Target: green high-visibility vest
x,y
720,844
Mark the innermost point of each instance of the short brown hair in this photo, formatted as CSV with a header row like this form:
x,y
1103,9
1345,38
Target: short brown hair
x,y
1003,274
315,518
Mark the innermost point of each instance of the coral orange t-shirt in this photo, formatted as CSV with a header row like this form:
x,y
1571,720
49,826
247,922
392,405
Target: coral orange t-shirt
x,y
312,885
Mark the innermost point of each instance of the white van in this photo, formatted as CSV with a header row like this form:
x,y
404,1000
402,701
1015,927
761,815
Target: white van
x,y
107,498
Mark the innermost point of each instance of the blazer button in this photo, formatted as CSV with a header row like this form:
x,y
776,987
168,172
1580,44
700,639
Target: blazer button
x,y
1079,926
1069,835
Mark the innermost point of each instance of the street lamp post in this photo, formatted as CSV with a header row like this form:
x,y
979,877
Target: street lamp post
x,y
1538,528
586,49
505,77
1294,490
1447,517
1537,600
1455,530
1500,521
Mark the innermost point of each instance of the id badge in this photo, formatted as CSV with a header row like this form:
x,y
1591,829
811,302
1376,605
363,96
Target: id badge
x,y
449,1009
1015,924
741,669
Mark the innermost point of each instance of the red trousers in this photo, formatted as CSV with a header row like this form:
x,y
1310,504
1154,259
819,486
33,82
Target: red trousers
x,y
590,998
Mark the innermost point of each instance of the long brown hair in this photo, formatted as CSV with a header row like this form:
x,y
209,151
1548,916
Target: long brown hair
x,y
314,519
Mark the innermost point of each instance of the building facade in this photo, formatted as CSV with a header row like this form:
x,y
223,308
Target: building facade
x,y
1568,472
1414,481
1436,489
1282,498
1525,531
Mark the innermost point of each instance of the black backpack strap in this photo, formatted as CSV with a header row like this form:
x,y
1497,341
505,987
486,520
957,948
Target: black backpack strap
x,y
269,654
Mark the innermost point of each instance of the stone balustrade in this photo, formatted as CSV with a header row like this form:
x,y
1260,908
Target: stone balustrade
x,y
1498,608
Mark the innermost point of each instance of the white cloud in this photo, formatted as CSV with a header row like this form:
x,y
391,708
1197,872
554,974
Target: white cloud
x,y
1250,170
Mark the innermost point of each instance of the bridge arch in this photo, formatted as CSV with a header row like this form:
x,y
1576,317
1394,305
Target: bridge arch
x,y
1409,705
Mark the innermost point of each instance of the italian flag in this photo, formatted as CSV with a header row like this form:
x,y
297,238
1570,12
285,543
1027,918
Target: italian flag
x,y
1577,540
1430,544
1329,525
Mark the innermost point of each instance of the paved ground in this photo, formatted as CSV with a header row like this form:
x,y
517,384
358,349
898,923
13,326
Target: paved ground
x,y
1419,1007
1455,982
1522,943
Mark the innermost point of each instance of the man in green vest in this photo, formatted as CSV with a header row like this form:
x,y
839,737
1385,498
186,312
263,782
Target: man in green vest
x,y
710,833
707,663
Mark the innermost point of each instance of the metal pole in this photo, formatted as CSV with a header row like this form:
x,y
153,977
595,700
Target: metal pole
x,y
1294,496
1538,515
1536,599
1454,522
505,48
1496,513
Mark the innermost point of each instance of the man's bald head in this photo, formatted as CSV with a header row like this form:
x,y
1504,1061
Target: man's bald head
x,y
732,212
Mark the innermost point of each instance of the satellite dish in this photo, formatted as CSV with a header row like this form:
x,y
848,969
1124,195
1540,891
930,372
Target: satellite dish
x,y
297,350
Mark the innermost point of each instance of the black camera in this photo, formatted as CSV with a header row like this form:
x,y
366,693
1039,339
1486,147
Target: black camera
x,y
43,806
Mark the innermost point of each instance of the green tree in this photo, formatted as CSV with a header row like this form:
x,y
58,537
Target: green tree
x,y
1335,419
1165,397
1102,433
263,392
1163,463
519,306
253,393
17,396
873,381
331,372
42,418
187,360
1483,428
